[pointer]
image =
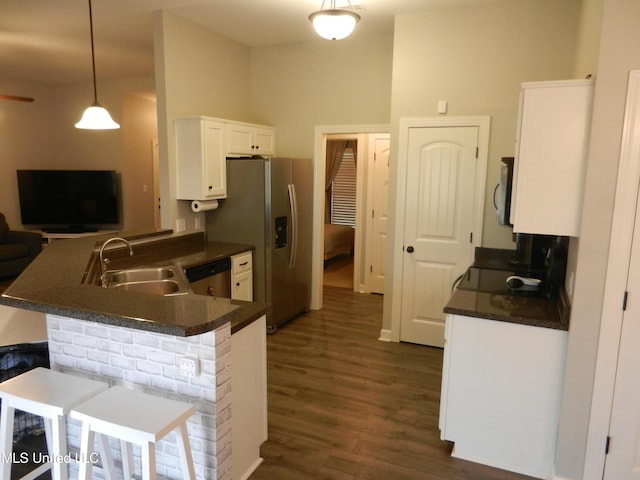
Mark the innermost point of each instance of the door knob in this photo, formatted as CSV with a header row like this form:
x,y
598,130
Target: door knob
x,y
410,249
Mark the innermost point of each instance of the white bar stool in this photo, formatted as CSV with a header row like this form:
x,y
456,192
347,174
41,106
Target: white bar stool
x,y
138,418
51,395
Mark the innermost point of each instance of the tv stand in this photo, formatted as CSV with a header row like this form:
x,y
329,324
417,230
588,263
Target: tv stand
x,y
70,229
50,234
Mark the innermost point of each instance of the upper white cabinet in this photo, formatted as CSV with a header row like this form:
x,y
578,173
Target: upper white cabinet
x,y
202,147
201,158
246,139
551,149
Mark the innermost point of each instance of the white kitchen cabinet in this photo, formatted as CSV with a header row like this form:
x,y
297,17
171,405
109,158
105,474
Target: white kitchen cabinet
x,y
247,139
248,397
551,148
501,389
201,158
242,276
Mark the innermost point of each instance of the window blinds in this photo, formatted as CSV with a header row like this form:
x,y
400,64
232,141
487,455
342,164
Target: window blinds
x,y
343,192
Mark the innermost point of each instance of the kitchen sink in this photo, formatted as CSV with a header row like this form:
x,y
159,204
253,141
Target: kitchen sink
x,y
140,275
166,280
154,287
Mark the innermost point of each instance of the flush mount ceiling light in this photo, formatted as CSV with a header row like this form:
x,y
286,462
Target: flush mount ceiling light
x,y
334,23
96,116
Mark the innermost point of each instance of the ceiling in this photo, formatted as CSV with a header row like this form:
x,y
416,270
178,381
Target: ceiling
x,y
47,41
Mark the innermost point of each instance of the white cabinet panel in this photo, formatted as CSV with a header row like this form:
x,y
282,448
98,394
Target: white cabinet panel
x,y
501,388
248,397
551,149
201,160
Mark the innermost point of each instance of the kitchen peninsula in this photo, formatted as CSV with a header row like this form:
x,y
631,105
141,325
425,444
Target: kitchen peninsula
x,y
137,340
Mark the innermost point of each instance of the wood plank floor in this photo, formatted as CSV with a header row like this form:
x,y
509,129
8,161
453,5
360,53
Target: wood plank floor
x,y
344,405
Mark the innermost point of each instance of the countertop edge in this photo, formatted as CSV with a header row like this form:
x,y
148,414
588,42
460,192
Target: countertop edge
x,y
530,322
244,315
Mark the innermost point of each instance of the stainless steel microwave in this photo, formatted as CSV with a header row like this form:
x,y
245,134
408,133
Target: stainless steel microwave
x,y
502,192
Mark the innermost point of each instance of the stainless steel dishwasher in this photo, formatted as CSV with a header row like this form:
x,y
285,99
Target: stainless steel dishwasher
x,y
213,278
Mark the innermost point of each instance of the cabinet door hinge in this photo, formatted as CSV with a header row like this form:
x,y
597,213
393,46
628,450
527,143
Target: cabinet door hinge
x,y
624,300
477,151
370,268
607,445
471,237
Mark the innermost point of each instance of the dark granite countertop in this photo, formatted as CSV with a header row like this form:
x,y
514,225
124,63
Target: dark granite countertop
x,y
536,312
531,311
62,281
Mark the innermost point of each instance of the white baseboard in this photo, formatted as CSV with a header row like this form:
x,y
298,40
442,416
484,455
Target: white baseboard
x,y
385,335
558,477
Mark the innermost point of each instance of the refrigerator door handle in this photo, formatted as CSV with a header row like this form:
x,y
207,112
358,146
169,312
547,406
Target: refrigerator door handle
x,y
293,205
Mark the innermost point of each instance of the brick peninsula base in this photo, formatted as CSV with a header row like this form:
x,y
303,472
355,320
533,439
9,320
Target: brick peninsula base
x,y
149,362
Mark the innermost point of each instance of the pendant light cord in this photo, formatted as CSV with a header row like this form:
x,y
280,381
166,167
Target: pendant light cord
x,y
93,56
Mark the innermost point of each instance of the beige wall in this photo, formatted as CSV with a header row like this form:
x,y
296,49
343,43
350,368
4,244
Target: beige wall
x,y
25,133
586,59
619,52
296,87
198,72
139,129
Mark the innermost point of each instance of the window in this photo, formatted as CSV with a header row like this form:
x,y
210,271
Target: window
x,y
343,192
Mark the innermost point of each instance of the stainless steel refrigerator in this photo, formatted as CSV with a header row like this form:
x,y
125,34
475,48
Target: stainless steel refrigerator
x,y
269,205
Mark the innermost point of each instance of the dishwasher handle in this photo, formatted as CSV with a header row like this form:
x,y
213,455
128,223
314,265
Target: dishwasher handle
x,y
208,269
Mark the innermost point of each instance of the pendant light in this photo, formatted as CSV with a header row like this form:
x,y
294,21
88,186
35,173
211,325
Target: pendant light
x,y
96,116
334,23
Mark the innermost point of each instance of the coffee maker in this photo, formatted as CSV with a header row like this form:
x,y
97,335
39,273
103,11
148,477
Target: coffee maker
x,y
543,257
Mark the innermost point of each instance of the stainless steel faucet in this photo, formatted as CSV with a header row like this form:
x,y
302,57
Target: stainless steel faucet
x,y
105,261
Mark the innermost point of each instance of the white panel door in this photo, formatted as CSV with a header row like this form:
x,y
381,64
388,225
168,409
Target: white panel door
x,y
380,212
439,223
623,460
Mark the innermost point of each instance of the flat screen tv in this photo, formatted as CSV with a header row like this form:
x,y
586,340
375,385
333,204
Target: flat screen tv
x,y
69,200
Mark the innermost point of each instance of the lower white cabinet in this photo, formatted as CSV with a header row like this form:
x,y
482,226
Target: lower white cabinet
x,y
248,397
501,390
242,276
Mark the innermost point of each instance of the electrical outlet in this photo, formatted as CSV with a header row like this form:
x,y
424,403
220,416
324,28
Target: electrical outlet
x,y
189,366
181,225
198,222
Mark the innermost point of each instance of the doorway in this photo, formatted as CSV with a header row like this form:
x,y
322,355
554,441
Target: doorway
x,y
360,134
356,191
340,207
422,283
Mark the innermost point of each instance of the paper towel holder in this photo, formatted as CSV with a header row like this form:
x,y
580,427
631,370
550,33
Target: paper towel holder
x,y
198,206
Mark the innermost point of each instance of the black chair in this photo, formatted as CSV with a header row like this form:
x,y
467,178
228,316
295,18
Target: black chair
x,y
17,249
